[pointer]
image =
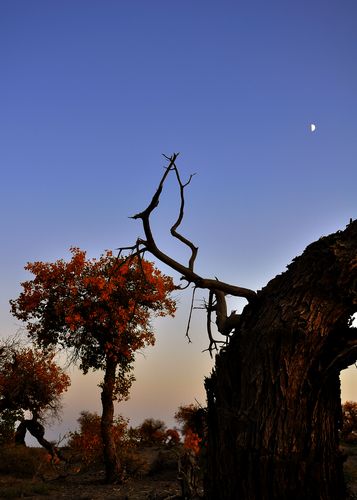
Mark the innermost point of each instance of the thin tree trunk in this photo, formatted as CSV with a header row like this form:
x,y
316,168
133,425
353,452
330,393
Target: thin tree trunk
x,y
112,465
274,397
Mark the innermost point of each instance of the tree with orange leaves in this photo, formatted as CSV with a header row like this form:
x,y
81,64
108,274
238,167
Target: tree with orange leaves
x,y
99,310
30,380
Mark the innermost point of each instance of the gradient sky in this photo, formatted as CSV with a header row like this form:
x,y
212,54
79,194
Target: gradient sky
x,y
92,92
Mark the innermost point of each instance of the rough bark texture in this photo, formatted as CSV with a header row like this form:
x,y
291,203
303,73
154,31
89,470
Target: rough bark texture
x,y
274,396
113,471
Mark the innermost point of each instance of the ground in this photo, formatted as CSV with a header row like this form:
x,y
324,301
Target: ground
x,y
25,473
350,468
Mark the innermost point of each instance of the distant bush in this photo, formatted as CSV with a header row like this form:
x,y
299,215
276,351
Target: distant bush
x,y
86,444
349,422
193,423
87,441
154,432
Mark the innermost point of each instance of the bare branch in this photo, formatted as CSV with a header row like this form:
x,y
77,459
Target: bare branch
x,y
210,307
186,271
156,198
225,323
217,289
190,315
174,232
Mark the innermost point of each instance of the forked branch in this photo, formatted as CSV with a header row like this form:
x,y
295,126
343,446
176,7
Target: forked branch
x,y
186,271
218,289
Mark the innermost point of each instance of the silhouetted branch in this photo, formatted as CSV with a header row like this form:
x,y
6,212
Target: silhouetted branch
x,y
174,233
210,307
190,315
186,271
217,288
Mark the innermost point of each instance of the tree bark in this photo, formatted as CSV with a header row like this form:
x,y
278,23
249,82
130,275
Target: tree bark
x,y
274,396
113,470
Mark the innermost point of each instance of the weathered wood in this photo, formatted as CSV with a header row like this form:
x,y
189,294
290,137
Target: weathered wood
x,y
274,395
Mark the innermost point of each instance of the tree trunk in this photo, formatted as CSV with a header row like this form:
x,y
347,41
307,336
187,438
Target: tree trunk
x,y
113,470
274,396
38,431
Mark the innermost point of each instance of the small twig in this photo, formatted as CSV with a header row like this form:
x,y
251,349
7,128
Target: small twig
x,y
190,315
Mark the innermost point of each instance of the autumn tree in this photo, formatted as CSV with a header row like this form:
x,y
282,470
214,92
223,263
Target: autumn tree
x,y
30,380
99,310
274,406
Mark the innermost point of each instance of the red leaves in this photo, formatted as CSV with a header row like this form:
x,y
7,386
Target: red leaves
x,y
88,442
192,419
31,380
192,441
99,307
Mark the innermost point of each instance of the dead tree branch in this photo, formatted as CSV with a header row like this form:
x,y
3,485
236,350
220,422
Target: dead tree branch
x,y
219,289
186,271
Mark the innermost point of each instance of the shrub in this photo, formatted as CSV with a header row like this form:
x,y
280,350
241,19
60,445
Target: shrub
x,y
87,442
152,432
349,422
193,424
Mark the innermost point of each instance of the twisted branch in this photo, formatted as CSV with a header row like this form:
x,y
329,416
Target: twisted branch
x,y
217,288
186,271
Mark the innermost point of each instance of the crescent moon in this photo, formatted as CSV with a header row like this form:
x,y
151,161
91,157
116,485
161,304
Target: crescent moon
x,y
312,127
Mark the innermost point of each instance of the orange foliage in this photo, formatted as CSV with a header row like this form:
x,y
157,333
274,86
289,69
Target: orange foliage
x,y
100,307
88,442
192,420
192,441
31,380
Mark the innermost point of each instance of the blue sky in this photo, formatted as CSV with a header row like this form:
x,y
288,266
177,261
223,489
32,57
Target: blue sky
x,y
93,92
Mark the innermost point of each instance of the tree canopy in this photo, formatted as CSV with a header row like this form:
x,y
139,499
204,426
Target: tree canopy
x,y
99,308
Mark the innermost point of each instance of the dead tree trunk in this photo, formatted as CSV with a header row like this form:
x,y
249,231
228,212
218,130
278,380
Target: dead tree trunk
x,y
274,396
